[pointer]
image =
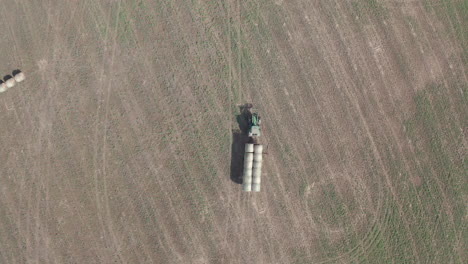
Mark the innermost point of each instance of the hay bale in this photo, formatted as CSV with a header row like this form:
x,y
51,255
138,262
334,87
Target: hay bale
x,y
257,180
10,82
249,147
258,149
247,187
255,187
3,87
19,77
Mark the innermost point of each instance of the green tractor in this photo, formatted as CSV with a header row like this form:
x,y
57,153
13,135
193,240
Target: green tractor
x,y
253,121
254,124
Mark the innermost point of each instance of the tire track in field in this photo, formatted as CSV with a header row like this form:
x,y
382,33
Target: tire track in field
x,y
131,105
230,94
32,247
280,187
133,110
446,60
348,94
355,101
130,110
198,127
274,105
167,112
109,221
59,64
394,134
369,238
250,199
101,171
336,149
174,125
395,137
231,193
239,48
96,140
56,64
23,235
353,125
318,151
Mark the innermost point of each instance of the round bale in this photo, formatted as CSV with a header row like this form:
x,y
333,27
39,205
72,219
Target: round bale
x,y
257,180
258,157
3,87
10,82
247,180
258,149
249,147
247,187
255,187
19,77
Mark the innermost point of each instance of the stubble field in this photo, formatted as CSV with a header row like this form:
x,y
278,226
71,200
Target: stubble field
x,y
117,148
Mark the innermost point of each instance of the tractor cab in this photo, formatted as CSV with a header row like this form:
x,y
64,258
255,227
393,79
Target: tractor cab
x,y
254,130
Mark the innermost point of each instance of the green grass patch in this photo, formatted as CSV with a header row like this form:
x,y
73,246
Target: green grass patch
x,y
299,256
455,15
119,25
434,131
368,8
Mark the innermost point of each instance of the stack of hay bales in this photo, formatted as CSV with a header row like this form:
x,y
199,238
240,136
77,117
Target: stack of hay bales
x,y
248,161
252,167
10,81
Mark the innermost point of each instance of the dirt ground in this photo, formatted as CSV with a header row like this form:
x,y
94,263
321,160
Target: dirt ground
x,y
117,148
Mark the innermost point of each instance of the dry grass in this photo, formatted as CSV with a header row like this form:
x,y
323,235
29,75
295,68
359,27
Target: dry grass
x,y
117,146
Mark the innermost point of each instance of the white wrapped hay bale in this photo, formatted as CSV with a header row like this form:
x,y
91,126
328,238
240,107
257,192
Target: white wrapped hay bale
x,y
19,77
3,87
255,187
247,187
249,147
258,149
256,180
248,158
257,174
10,82
258,157
247,180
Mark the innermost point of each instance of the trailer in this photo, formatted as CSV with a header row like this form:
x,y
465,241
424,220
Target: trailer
x,y
253,156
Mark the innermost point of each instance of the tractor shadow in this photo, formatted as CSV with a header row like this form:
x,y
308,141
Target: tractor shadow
x,y
239,139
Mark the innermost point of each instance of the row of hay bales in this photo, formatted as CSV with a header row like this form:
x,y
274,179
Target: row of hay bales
x,y
9,81
252,167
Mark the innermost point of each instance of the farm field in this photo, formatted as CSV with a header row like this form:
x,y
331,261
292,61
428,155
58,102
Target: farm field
x,y
120,145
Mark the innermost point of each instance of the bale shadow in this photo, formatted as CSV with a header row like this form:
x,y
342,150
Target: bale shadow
x,y
16,72
7,77
239,139
237,155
